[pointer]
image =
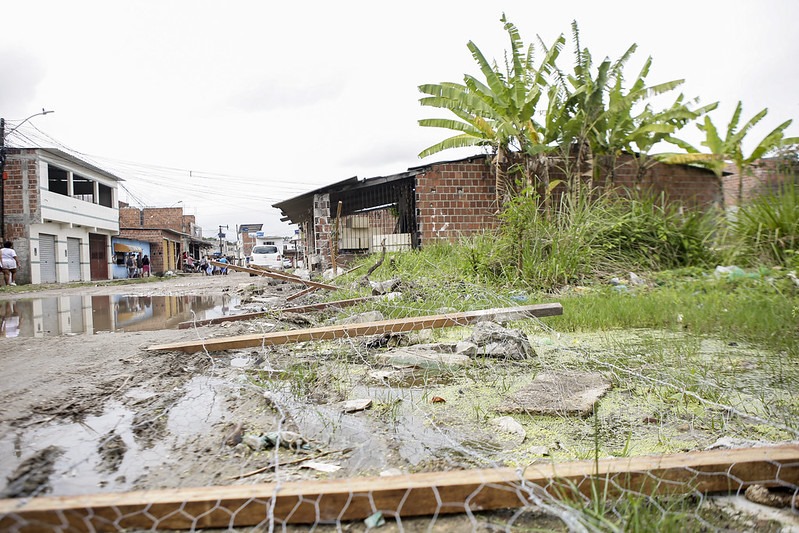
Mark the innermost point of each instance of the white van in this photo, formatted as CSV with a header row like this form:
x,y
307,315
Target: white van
x,y
267,255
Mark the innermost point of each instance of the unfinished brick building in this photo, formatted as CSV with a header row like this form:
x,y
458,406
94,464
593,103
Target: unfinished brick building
x,y
168,231
448,200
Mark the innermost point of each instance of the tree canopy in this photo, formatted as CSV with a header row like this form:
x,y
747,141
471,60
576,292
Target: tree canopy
x,y
532,110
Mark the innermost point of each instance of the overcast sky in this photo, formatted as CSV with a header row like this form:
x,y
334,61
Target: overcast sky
x,y
229,107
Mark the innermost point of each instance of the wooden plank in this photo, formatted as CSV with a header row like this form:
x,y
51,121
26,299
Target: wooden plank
x,y
258,314
306,290
267,269
423,494
357,330
309,290
276,275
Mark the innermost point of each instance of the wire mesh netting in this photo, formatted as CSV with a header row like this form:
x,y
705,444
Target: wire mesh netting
x,y
506,424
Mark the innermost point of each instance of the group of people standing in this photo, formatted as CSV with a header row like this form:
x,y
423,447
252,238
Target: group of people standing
x,y
138,265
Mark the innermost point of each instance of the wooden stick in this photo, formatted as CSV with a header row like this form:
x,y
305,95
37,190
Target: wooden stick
x,y
276,275
311,289
258,314
357,330
267,269
424,494
306,290
380,262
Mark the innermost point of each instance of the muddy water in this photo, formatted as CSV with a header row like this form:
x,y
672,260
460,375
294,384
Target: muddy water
x,y
104,452
76,315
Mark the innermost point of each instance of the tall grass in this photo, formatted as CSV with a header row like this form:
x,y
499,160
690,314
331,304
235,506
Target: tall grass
x,y
589,237
766,231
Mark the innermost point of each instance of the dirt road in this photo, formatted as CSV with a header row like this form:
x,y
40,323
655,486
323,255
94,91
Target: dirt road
x,y
96,411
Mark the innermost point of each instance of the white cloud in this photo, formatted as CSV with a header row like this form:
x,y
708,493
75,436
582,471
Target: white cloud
x,y
276,99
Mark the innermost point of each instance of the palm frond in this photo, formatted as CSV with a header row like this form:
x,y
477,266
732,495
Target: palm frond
x,y
458,141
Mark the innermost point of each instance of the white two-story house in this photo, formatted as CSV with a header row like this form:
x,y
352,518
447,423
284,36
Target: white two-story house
x,y
60,213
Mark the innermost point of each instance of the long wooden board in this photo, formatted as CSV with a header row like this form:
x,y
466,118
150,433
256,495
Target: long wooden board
x,y
276,275
296,309
357,330
306,290
425,494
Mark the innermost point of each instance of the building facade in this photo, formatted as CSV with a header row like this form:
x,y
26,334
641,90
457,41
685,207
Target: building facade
x,y
60,213
169,232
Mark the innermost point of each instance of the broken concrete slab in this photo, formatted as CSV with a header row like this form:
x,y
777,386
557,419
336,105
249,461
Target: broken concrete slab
x,y
358,404
507,424
561,393
494,340
423,358
383,287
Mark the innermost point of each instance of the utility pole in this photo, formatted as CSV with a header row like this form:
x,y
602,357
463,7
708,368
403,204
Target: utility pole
x,y
3,168
2,180
221,236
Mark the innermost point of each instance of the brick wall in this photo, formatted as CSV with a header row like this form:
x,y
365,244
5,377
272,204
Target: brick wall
x,y
189,225
164,217
454,199
766,175
322,231
693,187
129,217
20,193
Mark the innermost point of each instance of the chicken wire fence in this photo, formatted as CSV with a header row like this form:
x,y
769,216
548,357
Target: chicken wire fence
x,y
511,426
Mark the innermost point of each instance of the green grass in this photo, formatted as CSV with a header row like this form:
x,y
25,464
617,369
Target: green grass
x,y
693,354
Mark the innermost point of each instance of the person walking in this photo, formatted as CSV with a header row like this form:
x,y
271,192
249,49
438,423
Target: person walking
x,y
145,265
138,265
9,263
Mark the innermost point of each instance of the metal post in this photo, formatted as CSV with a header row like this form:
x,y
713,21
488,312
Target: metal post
x,y
3,169
2,180
221,235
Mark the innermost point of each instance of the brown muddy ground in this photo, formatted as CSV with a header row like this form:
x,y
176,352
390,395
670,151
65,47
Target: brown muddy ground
x,y
100,412
97,412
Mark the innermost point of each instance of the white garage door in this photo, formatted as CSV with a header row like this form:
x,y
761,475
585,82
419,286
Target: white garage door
x,y
47,257
73,256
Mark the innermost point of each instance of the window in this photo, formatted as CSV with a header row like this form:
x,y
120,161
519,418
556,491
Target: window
x,y
106,195
82,188
265,250
57,180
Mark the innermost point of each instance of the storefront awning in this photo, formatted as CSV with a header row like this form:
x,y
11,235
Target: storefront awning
x,y
126,248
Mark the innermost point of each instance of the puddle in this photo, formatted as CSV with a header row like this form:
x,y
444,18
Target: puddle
x,y
83,467
79,315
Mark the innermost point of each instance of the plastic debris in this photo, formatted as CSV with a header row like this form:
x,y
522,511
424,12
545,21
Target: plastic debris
x,y
376,520
321,467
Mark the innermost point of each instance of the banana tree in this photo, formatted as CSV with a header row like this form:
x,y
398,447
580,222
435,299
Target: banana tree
x,y
654,127
730,148
607,119
497,112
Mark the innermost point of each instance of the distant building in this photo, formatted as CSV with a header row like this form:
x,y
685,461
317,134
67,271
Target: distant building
x,y
169,232
60,212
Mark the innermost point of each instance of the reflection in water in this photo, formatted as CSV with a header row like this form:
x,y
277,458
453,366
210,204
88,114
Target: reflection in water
x,y
75,315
